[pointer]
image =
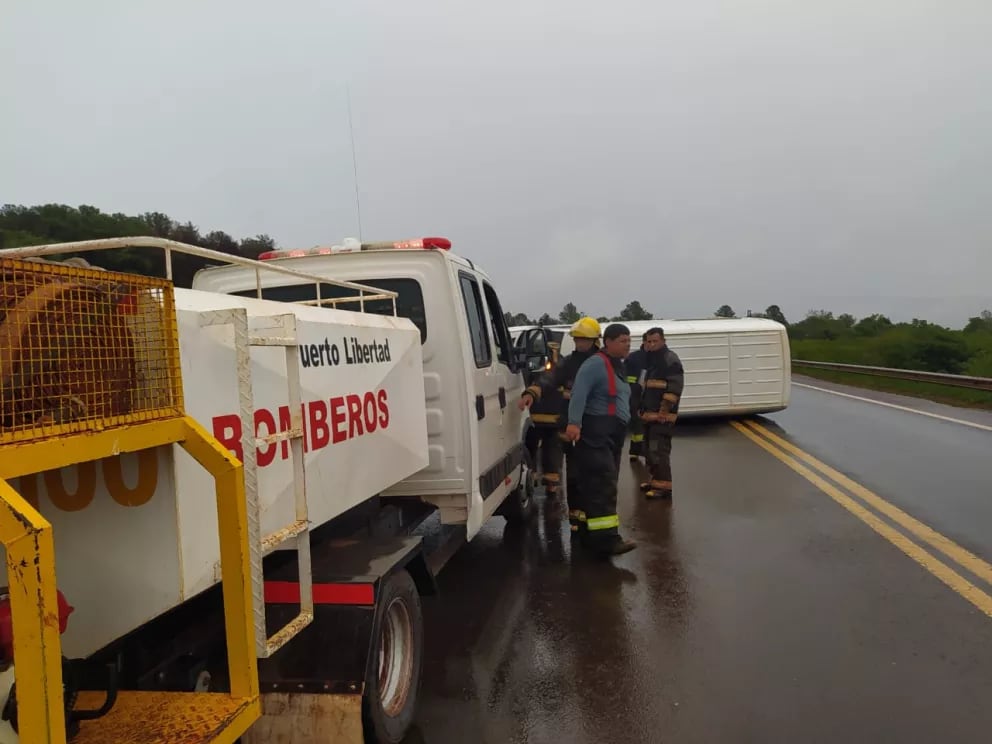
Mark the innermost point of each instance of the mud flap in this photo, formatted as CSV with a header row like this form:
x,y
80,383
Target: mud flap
x,y
312,688
292,718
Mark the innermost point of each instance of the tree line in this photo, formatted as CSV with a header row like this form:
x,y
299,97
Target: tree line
x,y
634,310
59,223
821,336
570,313
873,340
876,340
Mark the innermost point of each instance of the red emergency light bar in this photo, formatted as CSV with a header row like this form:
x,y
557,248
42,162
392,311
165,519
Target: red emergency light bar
x,y
418,243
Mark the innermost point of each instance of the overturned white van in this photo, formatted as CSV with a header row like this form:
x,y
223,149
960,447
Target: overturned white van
x,y
733,366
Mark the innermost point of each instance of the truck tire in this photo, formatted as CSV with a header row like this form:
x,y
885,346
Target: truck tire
x,y
392,681
519,506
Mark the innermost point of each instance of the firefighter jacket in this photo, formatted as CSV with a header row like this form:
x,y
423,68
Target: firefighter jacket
x,y
635,365
551,391
545,409
664,380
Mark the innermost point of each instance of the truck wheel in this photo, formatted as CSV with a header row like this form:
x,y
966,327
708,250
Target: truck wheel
x,y
519,505
395,661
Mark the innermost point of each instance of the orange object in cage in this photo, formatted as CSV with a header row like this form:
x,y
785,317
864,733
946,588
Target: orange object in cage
x,y
83,349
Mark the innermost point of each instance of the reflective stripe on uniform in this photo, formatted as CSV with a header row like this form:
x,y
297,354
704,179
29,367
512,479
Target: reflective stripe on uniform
x,y
577,514
670,397
552,478
656,384
545,418
603,523
632,379
636,437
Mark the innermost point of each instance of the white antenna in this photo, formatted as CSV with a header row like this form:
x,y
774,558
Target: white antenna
x,y
354,164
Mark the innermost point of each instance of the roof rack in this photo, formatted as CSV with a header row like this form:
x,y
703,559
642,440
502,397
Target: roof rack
x,y
365,292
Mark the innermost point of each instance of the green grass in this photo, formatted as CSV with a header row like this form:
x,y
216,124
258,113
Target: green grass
x,y
930,391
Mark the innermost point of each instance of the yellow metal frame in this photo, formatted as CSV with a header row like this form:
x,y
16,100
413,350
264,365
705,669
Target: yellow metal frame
x,y
232,519
28,539
27,536
51,454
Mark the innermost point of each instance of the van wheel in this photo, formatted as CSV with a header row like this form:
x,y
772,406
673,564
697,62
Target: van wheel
x,y
519,505
395,661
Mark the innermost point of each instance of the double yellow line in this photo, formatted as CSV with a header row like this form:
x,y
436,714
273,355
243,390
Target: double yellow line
x,y
794,458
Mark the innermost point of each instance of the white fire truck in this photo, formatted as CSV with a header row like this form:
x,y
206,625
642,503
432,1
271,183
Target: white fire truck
x,y
222,505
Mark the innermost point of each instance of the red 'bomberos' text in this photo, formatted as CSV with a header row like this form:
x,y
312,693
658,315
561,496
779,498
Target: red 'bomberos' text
x,y
325,422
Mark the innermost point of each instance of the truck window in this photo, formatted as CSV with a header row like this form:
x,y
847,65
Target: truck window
x,y
476,321
501,334
409,299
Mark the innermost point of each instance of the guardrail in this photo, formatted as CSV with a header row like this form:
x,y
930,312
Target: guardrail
x,y
939,378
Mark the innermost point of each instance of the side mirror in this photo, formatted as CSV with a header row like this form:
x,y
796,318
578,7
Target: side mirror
x,y
537,363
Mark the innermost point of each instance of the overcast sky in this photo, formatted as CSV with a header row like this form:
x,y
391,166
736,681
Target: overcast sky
x,y
814,154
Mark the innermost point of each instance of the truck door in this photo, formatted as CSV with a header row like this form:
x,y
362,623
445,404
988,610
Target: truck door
x,y
484,383
504,475
510,380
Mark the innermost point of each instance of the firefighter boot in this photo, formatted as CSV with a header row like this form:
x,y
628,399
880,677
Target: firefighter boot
x,y
658,489
617,545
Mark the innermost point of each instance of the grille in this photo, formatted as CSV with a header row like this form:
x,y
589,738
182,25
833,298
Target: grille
x,y
83,349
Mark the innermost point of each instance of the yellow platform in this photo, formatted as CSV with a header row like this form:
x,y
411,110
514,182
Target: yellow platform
x,y
167,718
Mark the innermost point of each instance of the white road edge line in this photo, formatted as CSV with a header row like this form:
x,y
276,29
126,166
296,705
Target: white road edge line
x,y
898,408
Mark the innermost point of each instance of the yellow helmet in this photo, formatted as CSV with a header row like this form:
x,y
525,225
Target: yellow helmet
x,y
585,328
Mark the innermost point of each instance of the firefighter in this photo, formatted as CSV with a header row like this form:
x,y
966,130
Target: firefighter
x,y
635,365
598,416
558,383
545,414
664,379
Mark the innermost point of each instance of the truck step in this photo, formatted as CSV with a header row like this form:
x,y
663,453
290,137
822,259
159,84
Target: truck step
x,y
288,631
167,717
272,541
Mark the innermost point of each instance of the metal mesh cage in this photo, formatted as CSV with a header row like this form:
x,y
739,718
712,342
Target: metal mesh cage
x,y
83,349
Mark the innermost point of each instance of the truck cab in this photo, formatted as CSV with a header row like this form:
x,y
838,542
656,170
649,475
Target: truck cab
x,y
473,375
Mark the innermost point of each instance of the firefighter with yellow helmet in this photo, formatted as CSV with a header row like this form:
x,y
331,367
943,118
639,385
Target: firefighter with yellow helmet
x,y
557,385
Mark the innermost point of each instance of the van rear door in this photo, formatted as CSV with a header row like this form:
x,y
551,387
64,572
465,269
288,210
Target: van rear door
x,y
757,369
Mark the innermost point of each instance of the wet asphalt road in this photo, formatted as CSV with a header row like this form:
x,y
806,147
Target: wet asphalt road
x,y
938,471
756,609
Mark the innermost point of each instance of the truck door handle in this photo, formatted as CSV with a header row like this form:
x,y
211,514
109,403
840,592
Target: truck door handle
x,y
502,398
480,407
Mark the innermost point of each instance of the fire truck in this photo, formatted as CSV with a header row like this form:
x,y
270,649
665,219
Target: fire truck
x,y
223,506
